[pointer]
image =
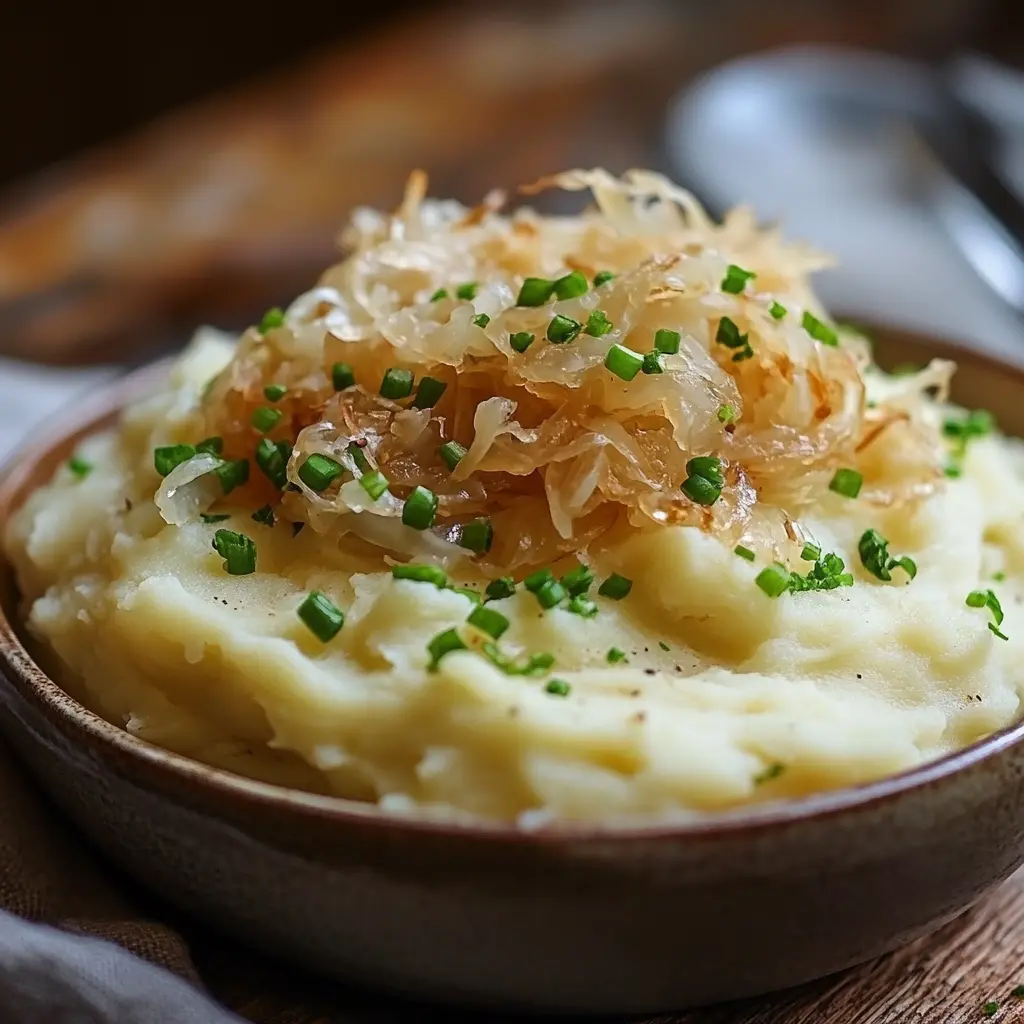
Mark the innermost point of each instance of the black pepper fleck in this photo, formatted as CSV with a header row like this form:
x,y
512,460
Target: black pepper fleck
x,y
859,676
650,672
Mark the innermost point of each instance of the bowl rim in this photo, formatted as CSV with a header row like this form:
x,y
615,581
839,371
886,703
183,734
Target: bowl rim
x,y
178,770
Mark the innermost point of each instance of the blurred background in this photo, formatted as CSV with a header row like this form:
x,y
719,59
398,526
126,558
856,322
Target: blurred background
x,y
196,167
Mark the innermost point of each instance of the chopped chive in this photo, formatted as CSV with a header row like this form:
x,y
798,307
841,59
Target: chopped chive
x,y
274,392
700,490
79,467
429,392
773,771
615,655
500,588
272,459
537,579
477,535
491,622
441,293
264,419
318,471
623,362
481,319
777,310
953,472
846,482
167,457
827,573
664,646
264,515
452,453
535,664
728,334
989,1009
652,363
571,286
744,553
357,454
442,644
999,577
666,341
237,550
873,549
421,574
396,384
736,279
375,483
521,341
232,474
342,376
211,445
616,587
727,414
598,324
1018,992
811,552
603,277
550,594
818,329
535,291
467,291
583,606
988,599
774,580
214,517
323,617
273,318
563,329
557,688
707,466
578,580
420,509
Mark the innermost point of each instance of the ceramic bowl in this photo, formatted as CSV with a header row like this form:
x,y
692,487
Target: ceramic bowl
x,y
572,918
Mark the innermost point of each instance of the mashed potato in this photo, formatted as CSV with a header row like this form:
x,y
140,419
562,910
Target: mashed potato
x,y
817,601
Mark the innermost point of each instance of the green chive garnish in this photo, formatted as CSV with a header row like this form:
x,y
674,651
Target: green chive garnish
x,y
477,535
583,606
1018,992
467,291
578,580
420,509
652,363
535,664
777,310
272,319
237,550
818,329
79,467
232,474
827,573
167,457
667,342
623,362
615,655
481,319
421,574
704,484
773,771
264,515
323,617
521,341
774,580
989,1009
357,454
537,579
375,483
727,414
535,291
571,286
846,482
274,392
442,644
811,552
342,376
491,622
598,324
563,329
557,688
396,384
500,588
744,553
318,471
603,277
616,587
550,594
264,419
873,549
441,293
728,334
987,599
211,445
214,517
736,279
272,459
452,453
429,393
